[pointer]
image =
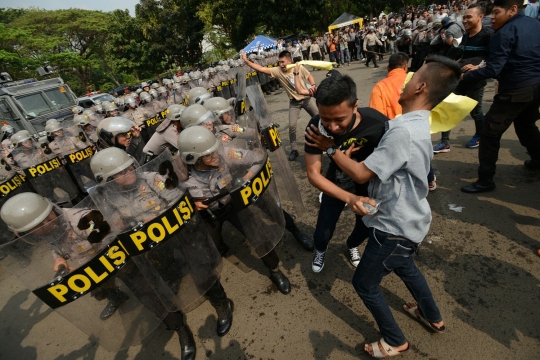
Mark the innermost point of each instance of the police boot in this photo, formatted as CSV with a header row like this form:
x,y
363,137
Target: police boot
x,y
302,238
115,301
187,343
280,280
225,317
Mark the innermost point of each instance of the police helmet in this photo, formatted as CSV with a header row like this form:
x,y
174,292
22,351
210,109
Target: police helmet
x,y
99,108
109,162
407,32
145,97
19,137
81,120
196,115
154,85
144,84
153,93
25,211
162,90
97,102
8,128
421,23
77,110
407,24
176,86
110,107
175,112
138,91
88,112
110,128
53,127
196,142
218,106
198,94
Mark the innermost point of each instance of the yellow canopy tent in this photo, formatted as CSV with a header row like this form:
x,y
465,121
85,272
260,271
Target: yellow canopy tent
x,y
345,19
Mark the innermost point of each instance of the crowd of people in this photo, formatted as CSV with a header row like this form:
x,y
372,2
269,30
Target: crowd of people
x,y
108,193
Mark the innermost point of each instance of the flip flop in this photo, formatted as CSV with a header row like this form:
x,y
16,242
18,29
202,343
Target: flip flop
x,y
377,353
420,318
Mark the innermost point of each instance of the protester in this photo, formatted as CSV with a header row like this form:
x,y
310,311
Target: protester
x,y
385,94
401,215
297,102
513,60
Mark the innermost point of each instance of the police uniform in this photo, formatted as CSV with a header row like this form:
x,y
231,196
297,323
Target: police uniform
x,y
65,145
160,141
138,115
26,158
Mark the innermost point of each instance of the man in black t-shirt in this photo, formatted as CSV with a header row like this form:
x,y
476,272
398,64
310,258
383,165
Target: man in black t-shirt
x,y
475,46
341,124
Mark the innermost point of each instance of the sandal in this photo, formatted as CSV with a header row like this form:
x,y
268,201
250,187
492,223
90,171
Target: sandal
x,y
390,351
412,312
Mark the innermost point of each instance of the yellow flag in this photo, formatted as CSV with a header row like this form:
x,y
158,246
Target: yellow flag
x,y
449,112
323,65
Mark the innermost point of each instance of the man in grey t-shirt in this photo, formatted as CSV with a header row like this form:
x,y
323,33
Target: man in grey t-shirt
x,y
397,170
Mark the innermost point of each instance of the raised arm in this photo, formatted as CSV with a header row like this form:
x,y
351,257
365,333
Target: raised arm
x,y
254,66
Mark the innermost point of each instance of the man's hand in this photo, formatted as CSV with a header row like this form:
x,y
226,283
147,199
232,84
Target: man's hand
x,y
136,131
356,203
199,205
318,141
60,261
469,67
244,56
353,149
297,68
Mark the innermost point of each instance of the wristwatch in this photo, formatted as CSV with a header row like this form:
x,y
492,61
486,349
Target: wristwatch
x,y
295,73
331,151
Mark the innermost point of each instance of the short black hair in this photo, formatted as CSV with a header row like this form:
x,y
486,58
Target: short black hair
x,y
336,89
397,60
286,54
479,7
442,76
507,4
489,8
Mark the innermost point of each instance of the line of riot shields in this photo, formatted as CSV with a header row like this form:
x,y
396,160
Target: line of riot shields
x,y
137,238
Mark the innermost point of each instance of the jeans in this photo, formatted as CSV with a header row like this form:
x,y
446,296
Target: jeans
x,y
345,56
334,57
518,106
294,112
329,213
431,174
392,46
386,253
477,114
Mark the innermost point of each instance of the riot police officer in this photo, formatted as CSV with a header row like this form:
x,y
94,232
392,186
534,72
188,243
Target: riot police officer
x,y
76,235
197,95
121,133
130,195
210,174
62,144
89,127
110,109
166,135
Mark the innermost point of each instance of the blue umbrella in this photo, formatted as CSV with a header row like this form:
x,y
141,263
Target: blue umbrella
x,y
265,42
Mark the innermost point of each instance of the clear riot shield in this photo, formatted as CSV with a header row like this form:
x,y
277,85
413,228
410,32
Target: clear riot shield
x,y
95,270
150,125
44,171
224,82
231,76
158,226
77,155
270,136
253,193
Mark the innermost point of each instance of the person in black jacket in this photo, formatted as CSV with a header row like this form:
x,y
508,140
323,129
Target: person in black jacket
x,y
513,60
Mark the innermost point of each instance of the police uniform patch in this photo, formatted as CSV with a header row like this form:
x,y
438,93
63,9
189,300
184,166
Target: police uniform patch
x,y
234,154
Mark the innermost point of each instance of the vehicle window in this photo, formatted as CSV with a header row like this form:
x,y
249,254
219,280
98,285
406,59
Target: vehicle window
x,y
86,103
59,97
5,112
35,104
104,97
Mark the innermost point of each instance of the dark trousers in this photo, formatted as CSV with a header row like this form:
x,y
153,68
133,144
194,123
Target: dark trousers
x,y
370,55
316,56
477,114
352,50
329,213
334,57
270,260
384,254
518,106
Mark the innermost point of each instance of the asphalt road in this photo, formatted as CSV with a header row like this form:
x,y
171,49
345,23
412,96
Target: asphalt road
x,y
480,263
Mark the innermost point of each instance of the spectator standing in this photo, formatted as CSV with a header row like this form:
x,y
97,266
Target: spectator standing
x,y
385,94
513,60
344,50
351,37
332,49
475,46
315,51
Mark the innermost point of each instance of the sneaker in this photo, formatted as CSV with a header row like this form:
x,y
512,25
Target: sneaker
x,y
318,261
376,67
433,185
355,256
441,148
474,142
